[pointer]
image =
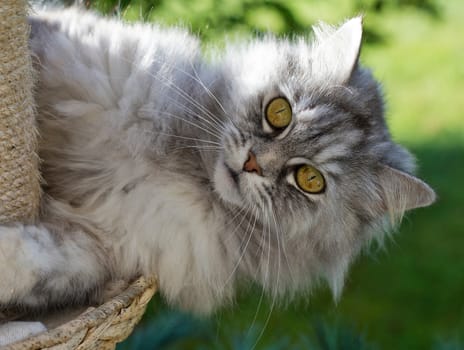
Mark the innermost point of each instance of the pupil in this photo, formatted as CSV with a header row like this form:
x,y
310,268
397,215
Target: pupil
x,y
311,177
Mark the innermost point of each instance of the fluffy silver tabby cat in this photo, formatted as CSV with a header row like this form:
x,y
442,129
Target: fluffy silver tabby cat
x,y
270,162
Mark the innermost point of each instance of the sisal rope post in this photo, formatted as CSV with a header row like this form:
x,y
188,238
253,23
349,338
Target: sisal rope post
x,y
19,175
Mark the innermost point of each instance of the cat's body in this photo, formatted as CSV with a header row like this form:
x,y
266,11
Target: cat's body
x,y
157,162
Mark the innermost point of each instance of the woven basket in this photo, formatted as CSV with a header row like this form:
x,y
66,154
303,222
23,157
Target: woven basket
x,y
101,327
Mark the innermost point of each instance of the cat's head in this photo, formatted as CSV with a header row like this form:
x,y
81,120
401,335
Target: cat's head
x,y
306,150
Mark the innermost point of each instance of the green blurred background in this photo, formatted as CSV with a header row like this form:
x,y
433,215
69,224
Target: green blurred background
x,y
409,296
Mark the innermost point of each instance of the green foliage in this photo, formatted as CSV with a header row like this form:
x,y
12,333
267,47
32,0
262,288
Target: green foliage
x,y
208,18
212,19
428,6
450,344
175,330
168,329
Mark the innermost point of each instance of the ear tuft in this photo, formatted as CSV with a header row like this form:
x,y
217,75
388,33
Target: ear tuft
x,y
337,51
401,192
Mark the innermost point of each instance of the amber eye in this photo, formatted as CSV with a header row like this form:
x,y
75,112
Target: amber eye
x,y
279,113
309,179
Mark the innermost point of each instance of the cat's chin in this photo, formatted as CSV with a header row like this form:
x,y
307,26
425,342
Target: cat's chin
x,y
226,185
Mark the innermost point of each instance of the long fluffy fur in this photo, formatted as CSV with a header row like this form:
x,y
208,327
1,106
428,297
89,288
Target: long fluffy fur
x,y
143,142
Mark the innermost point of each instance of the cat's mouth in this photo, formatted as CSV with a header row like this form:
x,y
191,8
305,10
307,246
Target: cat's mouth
x,y
227,184
233,175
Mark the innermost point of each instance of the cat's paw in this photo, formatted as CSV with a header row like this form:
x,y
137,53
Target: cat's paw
x,y
17,261
14,331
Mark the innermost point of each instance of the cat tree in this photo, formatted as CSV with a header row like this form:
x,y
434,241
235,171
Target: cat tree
x,y
97,328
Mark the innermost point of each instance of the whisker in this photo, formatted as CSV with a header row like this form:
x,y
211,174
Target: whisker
x,y
197,79
237,213
203,127
255,211
261,298
243,237
208,91
241,210
184,95
199,148
213,121
180,92
284,251
185,137
215,126
274,294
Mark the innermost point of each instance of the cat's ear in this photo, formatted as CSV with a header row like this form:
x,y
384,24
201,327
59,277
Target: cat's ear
x,y
401,192
336,52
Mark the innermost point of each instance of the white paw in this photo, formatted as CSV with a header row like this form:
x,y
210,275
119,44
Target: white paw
x,y
14,331
17,274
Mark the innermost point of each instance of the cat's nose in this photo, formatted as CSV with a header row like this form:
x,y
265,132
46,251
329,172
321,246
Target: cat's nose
x,y
251,165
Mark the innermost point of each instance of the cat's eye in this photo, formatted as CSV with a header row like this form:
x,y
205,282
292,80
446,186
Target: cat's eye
x,y
309,179
279,113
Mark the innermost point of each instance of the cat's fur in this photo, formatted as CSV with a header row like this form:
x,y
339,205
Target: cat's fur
x,y
143,143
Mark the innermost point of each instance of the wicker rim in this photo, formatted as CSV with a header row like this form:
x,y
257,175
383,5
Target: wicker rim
x,y
128,307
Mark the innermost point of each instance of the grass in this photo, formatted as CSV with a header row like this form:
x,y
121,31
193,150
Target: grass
x,y
421,67
412,295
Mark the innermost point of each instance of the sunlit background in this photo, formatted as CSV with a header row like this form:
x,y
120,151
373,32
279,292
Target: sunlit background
x,y
410,296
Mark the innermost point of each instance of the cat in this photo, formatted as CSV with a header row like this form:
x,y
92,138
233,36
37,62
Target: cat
x,y
268,162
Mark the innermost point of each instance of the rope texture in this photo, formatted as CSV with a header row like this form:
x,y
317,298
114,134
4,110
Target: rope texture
x,y
19,175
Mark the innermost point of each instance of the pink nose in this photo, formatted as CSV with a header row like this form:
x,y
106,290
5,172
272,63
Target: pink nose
x,y
251,165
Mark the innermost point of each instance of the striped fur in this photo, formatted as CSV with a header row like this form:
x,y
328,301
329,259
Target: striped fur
x,y
143,145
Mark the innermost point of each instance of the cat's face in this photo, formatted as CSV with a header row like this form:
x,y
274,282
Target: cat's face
x,y
307,152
